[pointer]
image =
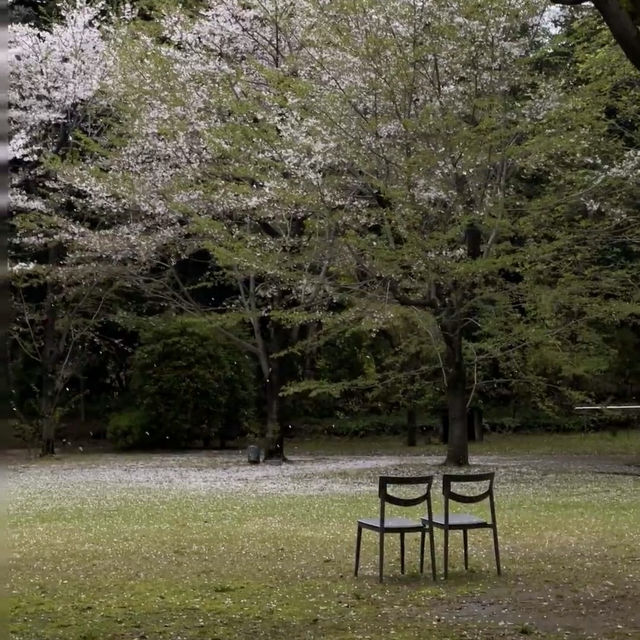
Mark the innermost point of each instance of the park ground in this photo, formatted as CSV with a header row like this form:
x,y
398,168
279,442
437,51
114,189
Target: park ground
x,y
202,545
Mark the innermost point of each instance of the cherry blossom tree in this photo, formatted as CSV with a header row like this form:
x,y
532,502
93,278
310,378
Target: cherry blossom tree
x,y
329,156
442,116
425,98
222,151
277,129
60,288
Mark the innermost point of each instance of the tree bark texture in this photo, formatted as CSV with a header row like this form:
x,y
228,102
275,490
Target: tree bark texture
x,y
622,27
457,445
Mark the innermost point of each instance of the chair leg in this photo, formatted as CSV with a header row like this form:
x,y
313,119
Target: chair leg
x,y
402,553
358,541
381,555
422,536
465,544
446,552
495,548
432,548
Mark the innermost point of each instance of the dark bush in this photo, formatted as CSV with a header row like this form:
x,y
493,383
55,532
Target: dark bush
x,y
190,386
128,429
358,426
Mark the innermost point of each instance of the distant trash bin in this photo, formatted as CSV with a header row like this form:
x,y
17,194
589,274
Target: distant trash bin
x,y
253,454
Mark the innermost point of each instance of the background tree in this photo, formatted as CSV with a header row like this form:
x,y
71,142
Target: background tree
x,y
430,121
54,81
293,169
585,243
189,386
227,157
440,134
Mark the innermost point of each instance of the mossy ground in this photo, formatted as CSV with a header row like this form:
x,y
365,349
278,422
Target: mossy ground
x,y
129,547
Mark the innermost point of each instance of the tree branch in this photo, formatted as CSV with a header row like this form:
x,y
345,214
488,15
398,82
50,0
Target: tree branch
x,y
620,23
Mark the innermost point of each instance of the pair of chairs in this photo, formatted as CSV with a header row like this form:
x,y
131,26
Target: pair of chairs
x,y
451,487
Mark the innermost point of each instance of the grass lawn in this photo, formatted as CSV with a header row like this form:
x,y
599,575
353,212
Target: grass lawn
x,y
202,545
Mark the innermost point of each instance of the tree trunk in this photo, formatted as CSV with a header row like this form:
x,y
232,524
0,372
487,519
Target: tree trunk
x,y
47,410
412,427
49,357
458,443
274,440
83,414
620,22
48,437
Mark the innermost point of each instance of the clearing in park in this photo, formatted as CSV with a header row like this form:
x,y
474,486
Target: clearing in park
x,y
204,546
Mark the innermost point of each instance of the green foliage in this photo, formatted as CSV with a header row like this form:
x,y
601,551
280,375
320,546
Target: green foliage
x,y
583,245
531,420
26,432
535,152
364,369
360,426
189,385
128,429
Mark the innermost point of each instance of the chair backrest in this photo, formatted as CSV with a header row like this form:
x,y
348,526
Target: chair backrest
x,y
449,480
384,482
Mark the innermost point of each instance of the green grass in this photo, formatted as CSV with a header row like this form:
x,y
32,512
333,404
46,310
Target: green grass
x,y
126,562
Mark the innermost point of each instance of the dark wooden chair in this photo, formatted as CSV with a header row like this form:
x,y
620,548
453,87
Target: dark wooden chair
x,y
401,526
465,521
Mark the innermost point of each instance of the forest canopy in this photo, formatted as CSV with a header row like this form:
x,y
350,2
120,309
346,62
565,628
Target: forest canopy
x,y
404,207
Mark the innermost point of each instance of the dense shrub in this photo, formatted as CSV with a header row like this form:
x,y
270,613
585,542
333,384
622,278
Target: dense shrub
x,y
128,429
189,386
357,426
344,366
529,420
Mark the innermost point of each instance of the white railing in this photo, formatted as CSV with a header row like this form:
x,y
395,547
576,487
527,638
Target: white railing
x,y
608,406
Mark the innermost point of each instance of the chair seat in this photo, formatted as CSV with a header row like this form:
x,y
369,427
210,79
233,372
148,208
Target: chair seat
x,y
461,520
395,524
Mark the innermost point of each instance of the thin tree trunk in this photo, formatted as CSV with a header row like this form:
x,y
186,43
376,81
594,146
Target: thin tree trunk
x,y
47,415
274,440
49,356
412,427
48,436
206,437
309,372
83,413
458,443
